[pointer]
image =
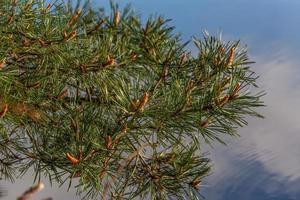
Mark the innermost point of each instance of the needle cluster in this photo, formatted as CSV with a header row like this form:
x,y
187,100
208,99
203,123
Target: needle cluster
x,y
118,106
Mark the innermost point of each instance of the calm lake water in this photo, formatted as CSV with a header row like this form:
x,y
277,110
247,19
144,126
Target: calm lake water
x,y
264,163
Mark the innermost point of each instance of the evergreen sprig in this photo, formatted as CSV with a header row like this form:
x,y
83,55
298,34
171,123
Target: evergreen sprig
x,y
118,106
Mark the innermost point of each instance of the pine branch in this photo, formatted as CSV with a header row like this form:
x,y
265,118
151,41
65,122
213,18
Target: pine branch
x,y
118,105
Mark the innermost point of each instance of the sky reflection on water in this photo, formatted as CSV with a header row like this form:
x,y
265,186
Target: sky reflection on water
x,y
264,163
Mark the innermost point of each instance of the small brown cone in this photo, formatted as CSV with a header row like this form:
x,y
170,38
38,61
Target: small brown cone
x,y
72,159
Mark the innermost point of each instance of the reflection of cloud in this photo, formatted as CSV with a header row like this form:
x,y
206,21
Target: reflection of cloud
x,y
273,142
279,132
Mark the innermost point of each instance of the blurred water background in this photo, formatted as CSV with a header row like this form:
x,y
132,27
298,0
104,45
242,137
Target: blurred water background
x,y
264,163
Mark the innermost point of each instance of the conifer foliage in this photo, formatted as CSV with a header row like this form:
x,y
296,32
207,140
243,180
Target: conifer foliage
x,y
113,105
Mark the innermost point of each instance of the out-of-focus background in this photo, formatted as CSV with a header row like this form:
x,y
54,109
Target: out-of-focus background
x,y
264,163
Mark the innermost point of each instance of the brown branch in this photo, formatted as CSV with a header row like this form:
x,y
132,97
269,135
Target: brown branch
x,y
31,191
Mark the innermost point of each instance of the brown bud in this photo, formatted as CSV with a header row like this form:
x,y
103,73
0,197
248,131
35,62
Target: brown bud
x,y
222,50
4,110
14,2
231,57
109,143
183,58
72,35
165,72
102,173
133,56
143,102
99,24
190,86
196,183
42,42
10,19
49,6
26,42
93,152
78,12
110,61
124,129
72,159
236,90
189,101
74,17
155,177
225,82
205,123
77,174
83,68
65,35
117,18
